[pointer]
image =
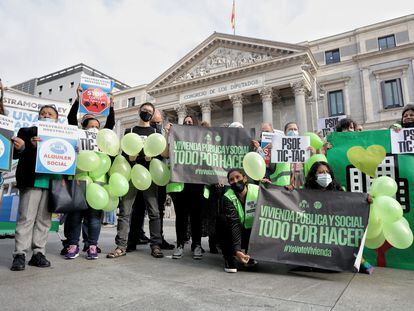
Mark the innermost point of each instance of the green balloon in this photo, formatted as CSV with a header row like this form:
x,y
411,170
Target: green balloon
x,y
140,177
87,161
315,141
104,166
108,189
375,242
108,142
112,204
254,165
383,185
399,234
315,158
374,224
132,144
121,166
154,145
84,177
387,209
96,196
159,172
119,185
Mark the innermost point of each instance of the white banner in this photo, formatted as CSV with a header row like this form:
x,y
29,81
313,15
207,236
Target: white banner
x,y
290,149
402,141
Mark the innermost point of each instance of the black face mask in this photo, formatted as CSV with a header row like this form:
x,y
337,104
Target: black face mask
x,y
408,124
145,116
157,126
238,187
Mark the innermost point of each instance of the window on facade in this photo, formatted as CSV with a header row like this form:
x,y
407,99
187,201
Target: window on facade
x,y
50,91
336,103
332,57
40,94
72,84
131,102
60,88
392,93
70,100
386,42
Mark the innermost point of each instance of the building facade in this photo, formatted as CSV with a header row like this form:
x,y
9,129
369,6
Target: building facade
x,y
61,85
366,74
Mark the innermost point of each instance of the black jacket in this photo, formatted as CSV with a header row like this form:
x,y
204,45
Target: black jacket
x,y
25,172
233,223
73,116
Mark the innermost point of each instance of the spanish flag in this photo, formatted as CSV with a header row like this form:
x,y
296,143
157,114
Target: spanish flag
x,y
233,18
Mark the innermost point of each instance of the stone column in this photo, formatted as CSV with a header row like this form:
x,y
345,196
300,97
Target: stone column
x,y
205,106
347,103
118,128
310,102
266,94
366,86
237,101
181,110
300,105
405,90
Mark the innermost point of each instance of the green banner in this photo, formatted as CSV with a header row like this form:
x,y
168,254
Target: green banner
x,y
399,167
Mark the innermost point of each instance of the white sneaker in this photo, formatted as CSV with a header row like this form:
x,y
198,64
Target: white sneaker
x,y
178,252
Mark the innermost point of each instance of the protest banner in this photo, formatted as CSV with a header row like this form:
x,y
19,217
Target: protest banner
x,y
290,149
327,125
56,151
6,145
321,229
87,140
95,95
364,146
24,110
203,155
402,141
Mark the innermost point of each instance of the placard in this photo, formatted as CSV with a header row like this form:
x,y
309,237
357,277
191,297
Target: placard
x,y
290,149
87,140
95,96
402,141
328,125
6,145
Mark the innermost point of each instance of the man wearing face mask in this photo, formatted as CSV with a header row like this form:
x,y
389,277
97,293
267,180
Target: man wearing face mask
x,y
149,196
34,219
239,205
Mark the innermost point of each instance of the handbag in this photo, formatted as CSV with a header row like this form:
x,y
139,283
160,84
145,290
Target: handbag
x,y
67,196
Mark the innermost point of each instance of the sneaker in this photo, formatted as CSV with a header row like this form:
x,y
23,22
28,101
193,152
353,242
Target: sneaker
x,y
64,251
251,264
166,245
92,252
131,248
366,268
178,252
230,265
73,252
19,262
143,240
197,253
39,260
156,252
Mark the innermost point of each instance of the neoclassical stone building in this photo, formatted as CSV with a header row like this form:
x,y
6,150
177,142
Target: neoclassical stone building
x,y
366,73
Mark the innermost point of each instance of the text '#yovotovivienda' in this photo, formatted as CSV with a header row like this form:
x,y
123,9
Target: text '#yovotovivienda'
x,y
199,154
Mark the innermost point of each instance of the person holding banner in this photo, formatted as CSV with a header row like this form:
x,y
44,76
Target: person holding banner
x,y
239,204
149,196
321,177
345,125
34,219
407,118
188,201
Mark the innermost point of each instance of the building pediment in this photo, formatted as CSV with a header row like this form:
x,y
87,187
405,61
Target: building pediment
x,y
220,54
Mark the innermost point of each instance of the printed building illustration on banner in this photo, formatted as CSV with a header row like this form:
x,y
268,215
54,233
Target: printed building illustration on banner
x,y
360,182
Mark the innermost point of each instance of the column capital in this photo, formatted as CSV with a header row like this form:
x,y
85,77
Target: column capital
x,y
266,93
298,87
205,106
237,100
181,110
310,100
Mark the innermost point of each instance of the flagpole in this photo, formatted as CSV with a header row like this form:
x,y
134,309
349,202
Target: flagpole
x,y
233,17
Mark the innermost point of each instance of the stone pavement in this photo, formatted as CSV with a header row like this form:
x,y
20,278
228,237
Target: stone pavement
x,y
139,282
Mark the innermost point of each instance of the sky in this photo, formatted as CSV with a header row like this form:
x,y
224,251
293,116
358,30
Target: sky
x,y
135,41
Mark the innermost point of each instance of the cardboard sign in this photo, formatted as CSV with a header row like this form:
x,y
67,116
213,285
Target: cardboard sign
x,y
87,140
290,149
6,145
402,141
56,152
327,125
95,95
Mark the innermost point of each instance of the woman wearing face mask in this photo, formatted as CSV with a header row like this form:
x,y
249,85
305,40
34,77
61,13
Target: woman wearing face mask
x,y
88,221
34,219
188,200
321,177
238,204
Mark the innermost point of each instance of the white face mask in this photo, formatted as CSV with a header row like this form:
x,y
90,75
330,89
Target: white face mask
x,y
292,133
47,120
324,180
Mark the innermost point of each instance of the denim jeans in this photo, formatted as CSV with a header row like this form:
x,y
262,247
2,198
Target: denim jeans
x,y
74,223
